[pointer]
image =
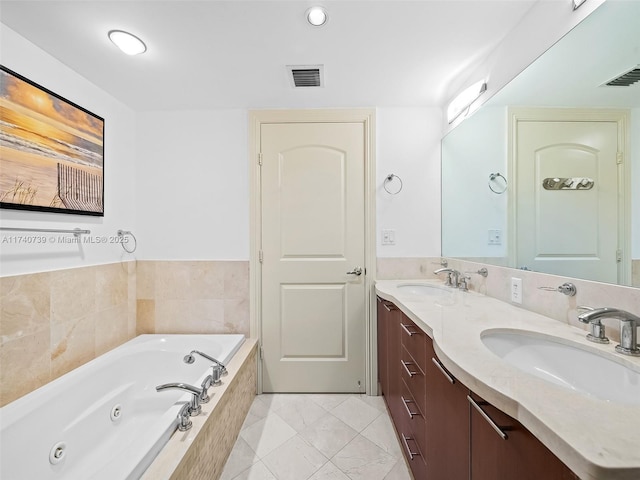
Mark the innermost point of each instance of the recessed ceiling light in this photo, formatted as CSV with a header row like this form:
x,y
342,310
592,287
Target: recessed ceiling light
x,y
317,16
128,43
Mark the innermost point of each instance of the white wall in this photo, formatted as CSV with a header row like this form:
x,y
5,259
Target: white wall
x,y
25,58
192,184
408,145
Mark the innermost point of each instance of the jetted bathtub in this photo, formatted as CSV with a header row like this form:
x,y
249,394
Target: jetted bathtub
x,y
105,420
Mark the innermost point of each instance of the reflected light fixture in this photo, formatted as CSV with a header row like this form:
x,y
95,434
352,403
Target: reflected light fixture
x,y
127,42
577,3
317,16
465,99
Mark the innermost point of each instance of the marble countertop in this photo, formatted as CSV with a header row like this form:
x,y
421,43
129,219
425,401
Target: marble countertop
x,y
596,438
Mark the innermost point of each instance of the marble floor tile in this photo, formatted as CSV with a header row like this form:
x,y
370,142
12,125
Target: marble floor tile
x,y
300,412
329,435
258,471
316,437
241,458
329,472
294,460
382,433
267,434
356,413
362,459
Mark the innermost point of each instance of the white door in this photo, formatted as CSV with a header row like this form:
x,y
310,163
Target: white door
x,y
565,224
313,228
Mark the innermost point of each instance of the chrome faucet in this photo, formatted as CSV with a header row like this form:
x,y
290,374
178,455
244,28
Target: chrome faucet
x,y
629,324
190,359
452,276
194,405
596,329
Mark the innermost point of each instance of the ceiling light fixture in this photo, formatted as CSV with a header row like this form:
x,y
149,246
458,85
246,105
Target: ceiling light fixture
x,y
466,98
577,3
128,43
317,16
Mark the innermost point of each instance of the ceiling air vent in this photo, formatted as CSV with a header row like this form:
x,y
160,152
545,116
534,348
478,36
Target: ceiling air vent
x,y
304,76
626,79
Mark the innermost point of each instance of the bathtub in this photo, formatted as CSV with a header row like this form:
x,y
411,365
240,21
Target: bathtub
x,y
105,420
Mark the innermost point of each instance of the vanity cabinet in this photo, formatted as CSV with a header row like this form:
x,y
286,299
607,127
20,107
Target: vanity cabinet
x,y
447,422
501,447
445,430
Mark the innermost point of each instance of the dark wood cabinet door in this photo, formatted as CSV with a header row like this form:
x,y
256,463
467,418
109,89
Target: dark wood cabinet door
x,y
447,423
516,454
383,311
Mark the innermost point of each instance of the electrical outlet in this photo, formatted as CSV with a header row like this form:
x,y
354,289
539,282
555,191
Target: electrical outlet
x,y
388,237
516,290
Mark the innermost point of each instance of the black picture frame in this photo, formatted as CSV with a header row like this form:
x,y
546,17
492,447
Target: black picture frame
x,y
51,150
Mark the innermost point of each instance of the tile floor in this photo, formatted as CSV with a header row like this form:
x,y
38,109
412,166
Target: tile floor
x,y
316,437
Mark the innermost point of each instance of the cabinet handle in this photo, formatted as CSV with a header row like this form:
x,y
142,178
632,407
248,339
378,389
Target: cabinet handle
x,y
405,440
406,329
389,306
437,363
406,367
498,430
406,405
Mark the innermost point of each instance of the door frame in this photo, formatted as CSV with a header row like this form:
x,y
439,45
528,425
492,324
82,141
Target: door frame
x,y
622,118
365,116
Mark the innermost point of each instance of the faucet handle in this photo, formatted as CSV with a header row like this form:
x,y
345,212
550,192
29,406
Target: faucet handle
x,y
596,329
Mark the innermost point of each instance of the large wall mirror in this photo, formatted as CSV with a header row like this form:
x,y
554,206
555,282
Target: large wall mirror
x,y
545,176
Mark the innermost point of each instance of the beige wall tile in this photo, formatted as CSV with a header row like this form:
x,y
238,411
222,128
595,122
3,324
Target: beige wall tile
x,y
73,293
111,285
146,314
24,305
236,316
397,268
72,344
236,280
145,279
189,316
111,328
635,273
26,365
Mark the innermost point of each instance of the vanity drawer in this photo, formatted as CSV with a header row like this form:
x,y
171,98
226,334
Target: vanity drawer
x,y
414,379
415,421
414,340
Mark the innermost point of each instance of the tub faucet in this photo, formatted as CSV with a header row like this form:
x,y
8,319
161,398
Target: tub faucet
x,y
629,324
194,405
190,359
452,276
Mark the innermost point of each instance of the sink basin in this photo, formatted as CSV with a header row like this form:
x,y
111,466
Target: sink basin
x,y
567,364
422,289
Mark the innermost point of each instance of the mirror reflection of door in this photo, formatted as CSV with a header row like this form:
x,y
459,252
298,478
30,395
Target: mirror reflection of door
x,y
562,227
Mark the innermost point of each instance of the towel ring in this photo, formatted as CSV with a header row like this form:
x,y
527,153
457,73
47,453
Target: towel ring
x,y
389,179
493,177
122,234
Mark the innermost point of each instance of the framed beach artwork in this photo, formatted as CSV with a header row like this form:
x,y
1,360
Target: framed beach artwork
x,y
51,150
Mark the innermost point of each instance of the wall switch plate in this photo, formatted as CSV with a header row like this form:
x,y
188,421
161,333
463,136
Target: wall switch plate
x,y
516,290
495,237
388,237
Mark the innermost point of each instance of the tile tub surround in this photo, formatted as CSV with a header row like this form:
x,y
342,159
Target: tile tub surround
x,y
193,297
596,439
53,322
201,452
317,437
